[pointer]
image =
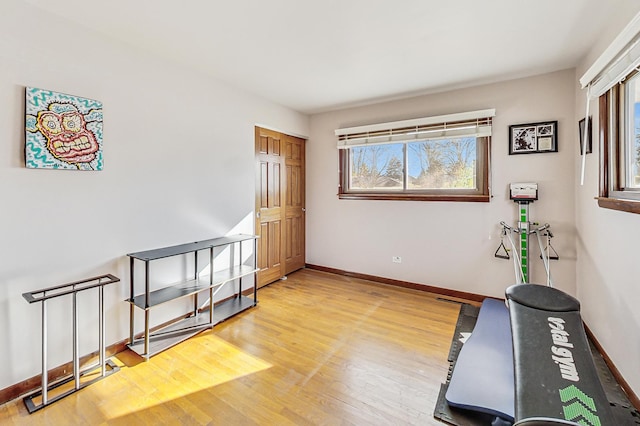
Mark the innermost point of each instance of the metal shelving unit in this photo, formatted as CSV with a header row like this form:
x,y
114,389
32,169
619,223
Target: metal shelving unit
x,y
107,367
197,320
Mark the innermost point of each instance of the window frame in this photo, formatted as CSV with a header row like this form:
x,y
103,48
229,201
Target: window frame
x,y
613,168
481,194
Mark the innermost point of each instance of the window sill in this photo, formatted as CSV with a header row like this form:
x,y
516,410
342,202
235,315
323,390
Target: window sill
x,y
631,206
476,198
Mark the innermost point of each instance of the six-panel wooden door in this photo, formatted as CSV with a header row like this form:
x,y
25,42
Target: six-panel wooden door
x,y
280,208
294,235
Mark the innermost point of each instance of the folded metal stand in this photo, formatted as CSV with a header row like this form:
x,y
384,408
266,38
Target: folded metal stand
x,y
107,367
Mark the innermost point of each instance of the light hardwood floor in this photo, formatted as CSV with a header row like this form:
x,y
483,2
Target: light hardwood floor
x,y
319,349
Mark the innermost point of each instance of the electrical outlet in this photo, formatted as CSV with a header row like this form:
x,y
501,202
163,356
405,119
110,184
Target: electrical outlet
x,y
396,259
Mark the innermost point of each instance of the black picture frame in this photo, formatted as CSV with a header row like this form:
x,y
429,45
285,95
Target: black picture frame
x,y
533,138
581,134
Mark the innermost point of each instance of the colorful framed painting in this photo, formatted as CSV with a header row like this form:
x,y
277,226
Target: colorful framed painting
x,y
62,131
533,138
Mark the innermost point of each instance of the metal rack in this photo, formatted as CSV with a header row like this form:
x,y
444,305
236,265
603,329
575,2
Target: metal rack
x,y
72,289
153,342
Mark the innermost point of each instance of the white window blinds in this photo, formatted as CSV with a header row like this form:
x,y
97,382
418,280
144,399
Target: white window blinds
x,y
618,60
615,63
466,124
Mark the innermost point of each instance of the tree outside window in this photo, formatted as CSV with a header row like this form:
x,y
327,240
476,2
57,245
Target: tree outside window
x,y
427,168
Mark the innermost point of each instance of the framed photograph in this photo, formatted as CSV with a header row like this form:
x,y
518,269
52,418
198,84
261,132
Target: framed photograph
x,y
533,138
581,134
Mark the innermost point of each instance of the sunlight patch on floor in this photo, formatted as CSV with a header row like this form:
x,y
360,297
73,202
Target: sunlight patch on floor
x,y
175,373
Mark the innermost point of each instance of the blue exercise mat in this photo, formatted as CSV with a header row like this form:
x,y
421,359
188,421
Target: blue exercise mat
x,y
482,378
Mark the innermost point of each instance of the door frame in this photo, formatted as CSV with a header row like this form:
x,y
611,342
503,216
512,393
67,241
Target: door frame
x,y
259,155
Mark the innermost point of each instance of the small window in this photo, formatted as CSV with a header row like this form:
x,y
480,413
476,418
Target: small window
x,y
416,164
620,146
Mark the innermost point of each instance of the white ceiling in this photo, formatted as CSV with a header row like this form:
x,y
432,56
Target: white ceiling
x,y
318,55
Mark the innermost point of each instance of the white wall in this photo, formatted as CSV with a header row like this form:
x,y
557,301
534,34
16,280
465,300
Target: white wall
x,y
179,167
607,269
447,244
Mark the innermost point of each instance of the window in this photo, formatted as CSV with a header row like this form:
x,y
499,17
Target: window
x,y
630,178
614,80
433,159
620,146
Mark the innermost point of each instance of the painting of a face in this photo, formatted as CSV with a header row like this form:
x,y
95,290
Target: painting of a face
x,y
67,137
63,131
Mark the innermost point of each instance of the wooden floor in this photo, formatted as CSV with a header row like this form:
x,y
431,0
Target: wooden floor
x,y
319,349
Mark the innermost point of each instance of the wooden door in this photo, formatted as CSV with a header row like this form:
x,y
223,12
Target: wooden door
x,y
270,205
280,204
294,238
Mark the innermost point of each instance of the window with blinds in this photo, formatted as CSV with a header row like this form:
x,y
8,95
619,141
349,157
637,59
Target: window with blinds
x,y
614,79
442,158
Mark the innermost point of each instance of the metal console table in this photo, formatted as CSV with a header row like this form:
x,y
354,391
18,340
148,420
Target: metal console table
x,y
73,289
152,342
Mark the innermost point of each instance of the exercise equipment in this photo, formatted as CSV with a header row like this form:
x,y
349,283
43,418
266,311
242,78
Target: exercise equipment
x,y
556,382
529,363
549,248
520,260
524,194
501,251
482,379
